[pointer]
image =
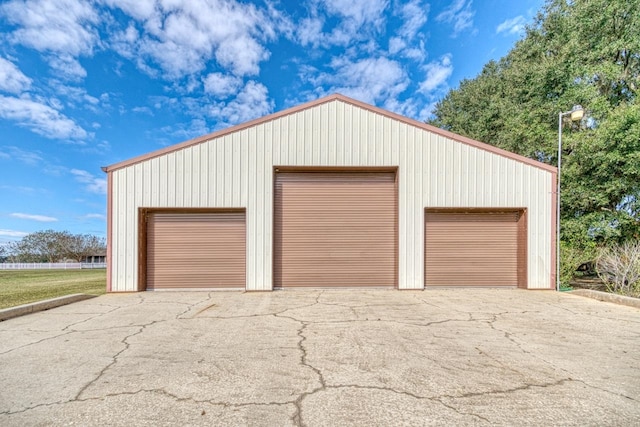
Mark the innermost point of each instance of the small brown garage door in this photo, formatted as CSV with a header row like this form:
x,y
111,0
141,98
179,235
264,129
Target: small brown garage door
x,y
335,229
196,250
475,248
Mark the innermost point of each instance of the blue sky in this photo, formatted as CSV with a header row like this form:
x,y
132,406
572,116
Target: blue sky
x,y
85,84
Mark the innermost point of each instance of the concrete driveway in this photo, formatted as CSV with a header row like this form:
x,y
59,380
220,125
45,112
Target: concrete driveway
x,y
352,357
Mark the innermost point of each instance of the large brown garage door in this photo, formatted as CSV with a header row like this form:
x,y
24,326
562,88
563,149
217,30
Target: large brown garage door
x,y
195,250
335,229
475,248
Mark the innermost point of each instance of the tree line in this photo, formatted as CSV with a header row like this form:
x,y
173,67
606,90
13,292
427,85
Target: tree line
x,y
583,52
53,246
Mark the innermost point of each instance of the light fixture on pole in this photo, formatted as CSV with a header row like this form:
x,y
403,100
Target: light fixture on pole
x,y
576,114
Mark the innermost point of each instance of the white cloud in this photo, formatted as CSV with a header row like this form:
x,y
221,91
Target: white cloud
x,y
360,12
360,18
67,67
31,217
142,110
62,28
460,14
138,9
93,184
396,44
370,79
12,80
414,15
185,131
14,153
252,102
12,233
512,26
181,37
221,85
125,41
353,21
95,216
309,31
241,55
40,118
74,96
418,53
437,73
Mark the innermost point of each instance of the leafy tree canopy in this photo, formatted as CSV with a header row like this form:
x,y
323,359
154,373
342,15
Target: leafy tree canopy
x,y
576,52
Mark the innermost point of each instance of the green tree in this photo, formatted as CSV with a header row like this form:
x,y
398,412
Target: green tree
x,y
576,52
79,246
40,246
4,252
55,246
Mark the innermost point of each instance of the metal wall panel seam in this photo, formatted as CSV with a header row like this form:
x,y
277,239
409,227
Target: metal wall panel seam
x,y
403,213
153,178
267,216
195,176
122,229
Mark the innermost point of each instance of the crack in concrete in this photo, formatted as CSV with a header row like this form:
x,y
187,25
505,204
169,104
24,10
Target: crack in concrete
x,y
114,358
505,391
392,390
153,390
604,389
202,310
188,309
559,305
296,418
373,387
499,362
39,405
244,316
37,342
458,411
416,296
88,319
508,336
412,395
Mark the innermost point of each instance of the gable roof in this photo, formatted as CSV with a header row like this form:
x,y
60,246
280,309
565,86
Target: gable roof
x,y
320,101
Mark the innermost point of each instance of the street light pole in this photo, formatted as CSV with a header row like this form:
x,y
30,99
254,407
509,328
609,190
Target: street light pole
x,y
577,112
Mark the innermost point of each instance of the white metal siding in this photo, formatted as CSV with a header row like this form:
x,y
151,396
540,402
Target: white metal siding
x,y
236,171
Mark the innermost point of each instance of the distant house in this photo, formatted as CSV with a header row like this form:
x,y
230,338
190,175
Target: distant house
x,y
97,258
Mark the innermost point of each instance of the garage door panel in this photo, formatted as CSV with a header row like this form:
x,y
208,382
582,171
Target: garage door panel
x,y
474,248
335,229
196,250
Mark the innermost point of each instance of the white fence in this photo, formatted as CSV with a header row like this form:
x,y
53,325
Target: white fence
x,y
50,265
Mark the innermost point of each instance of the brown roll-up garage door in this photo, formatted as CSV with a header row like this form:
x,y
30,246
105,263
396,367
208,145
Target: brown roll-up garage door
x,y
195,250
475,248
335,229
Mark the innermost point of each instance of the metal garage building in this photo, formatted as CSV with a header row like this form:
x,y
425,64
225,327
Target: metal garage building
x,y
331,193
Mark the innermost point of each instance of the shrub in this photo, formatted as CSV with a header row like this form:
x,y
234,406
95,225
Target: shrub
x,y
571,259
619,268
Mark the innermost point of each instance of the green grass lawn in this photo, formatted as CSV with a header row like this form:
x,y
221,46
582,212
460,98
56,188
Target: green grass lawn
x,y
25,286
